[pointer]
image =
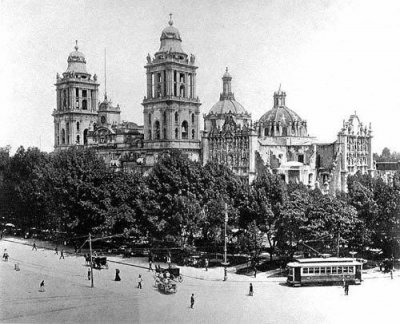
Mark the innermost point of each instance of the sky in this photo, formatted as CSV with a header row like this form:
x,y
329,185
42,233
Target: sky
x,y
330,57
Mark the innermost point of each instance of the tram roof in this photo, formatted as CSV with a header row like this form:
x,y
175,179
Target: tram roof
x,y
324,261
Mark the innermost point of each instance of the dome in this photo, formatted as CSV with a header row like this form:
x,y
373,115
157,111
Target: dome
x,y
170,39
280,114
76,61
227,106
227,103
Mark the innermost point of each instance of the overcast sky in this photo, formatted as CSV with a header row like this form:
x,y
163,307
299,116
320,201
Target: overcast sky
x,y
331,57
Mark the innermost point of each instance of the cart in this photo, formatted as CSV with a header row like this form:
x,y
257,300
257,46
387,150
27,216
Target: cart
x,y
99,262
167,286
172,273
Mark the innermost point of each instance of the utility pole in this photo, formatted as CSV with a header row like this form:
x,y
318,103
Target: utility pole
x,y
225,249
338,241
91,260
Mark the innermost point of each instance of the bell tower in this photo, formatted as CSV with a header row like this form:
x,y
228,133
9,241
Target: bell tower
x,y
77,97
171,107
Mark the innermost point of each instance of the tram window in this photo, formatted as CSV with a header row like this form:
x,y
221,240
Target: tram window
x,y
311,270
323,270
339,270
328,270
334,269
345,269
351,269
305,270
316,270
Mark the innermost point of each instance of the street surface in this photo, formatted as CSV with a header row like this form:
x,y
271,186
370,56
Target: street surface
x,y
68,297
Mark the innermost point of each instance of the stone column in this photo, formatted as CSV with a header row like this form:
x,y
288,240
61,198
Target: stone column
x,y
187,95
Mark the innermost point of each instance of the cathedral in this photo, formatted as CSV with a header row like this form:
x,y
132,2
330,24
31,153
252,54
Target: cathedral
x,y
278,141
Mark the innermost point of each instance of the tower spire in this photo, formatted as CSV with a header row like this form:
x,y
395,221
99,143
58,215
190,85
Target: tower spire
x,y
105,74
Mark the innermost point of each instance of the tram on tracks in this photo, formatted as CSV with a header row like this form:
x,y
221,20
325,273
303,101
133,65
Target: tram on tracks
x,y
324,271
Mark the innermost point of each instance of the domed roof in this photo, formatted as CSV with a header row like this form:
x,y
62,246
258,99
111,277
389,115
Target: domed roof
x,y
227,103
226,106
280,113
77,61
170,39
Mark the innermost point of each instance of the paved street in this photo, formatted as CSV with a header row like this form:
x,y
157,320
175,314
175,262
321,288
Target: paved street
x,y
68,297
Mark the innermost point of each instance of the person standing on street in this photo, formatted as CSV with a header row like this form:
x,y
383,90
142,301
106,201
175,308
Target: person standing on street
x,y
346,288
62,254
34,246
42,286
56,249
251,291
150,265
192,301
139,281
206,263
88,274
391,274
117,277
169,261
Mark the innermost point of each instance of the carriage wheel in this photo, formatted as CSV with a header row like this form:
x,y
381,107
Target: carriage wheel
x,y
180,278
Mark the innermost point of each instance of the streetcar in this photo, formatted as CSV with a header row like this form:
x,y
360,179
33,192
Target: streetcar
x,y
324,271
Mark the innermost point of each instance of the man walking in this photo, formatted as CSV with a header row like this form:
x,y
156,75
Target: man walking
x,y
346,288
391,274
251,290
88,274
56,249
206,263
42,286
140,280
62,254
192,301
34,246
150,265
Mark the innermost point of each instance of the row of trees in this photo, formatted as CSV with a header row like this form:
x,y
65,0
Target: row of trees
x,y
183,201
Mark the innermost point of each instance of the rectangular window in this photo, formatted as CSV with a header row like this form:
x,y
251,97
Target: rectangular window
x,y
323,270
316,270
339,270
311,271
345,269
334,270
305,270
328,270
351,269
76,92
300,158
84,93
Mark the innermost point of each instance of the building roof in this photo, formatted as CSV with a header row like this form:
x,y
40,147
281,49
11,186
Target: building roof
x,y
226,106
76,61
170,39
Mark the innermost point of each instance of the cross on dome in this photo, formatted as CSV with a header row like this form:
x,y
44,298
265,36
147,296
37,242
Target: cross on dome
x,y
170,20
76,45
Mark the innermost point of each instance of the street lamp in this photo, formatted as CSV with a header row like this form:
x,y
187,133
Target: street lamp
x,y
225,264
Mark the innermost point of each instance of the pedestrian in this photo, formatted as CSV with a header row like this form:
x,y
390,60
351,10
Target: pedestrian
x,y
117,277
255,272
169,261
42,286
150,265
251,289
56,249
139,281
391,274
192,301
206,263
88,274
346,288
61,254
5,255
34,246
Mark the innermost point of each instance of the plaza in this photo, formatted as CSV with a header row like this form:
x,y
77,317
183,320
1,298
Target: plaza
x,y
68,297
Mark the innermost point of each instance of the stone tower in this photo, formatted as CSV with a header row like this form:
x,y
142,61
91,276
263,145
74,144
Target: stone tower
x,y
171,107
77,96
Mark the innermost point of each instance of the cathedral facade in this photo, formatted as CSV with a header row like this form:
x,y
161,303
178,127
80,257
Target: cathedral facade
x,y
278,141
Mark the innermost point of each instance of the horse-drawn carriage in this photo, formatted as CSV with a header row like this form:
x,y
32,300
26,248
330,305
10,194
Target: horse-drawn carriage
x,y
99,262
165,279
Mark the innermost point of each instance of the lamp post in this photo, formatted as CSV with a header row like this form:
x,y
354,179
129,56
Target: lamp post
x,y
225,264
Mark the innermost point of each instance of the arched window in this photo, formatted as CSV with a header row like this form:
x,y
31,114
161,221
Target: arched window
x,y
77,126
85,136
84,104
157,129
67,133
184,129
176,117
63,136
78,139
193,133
176,133
192,118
